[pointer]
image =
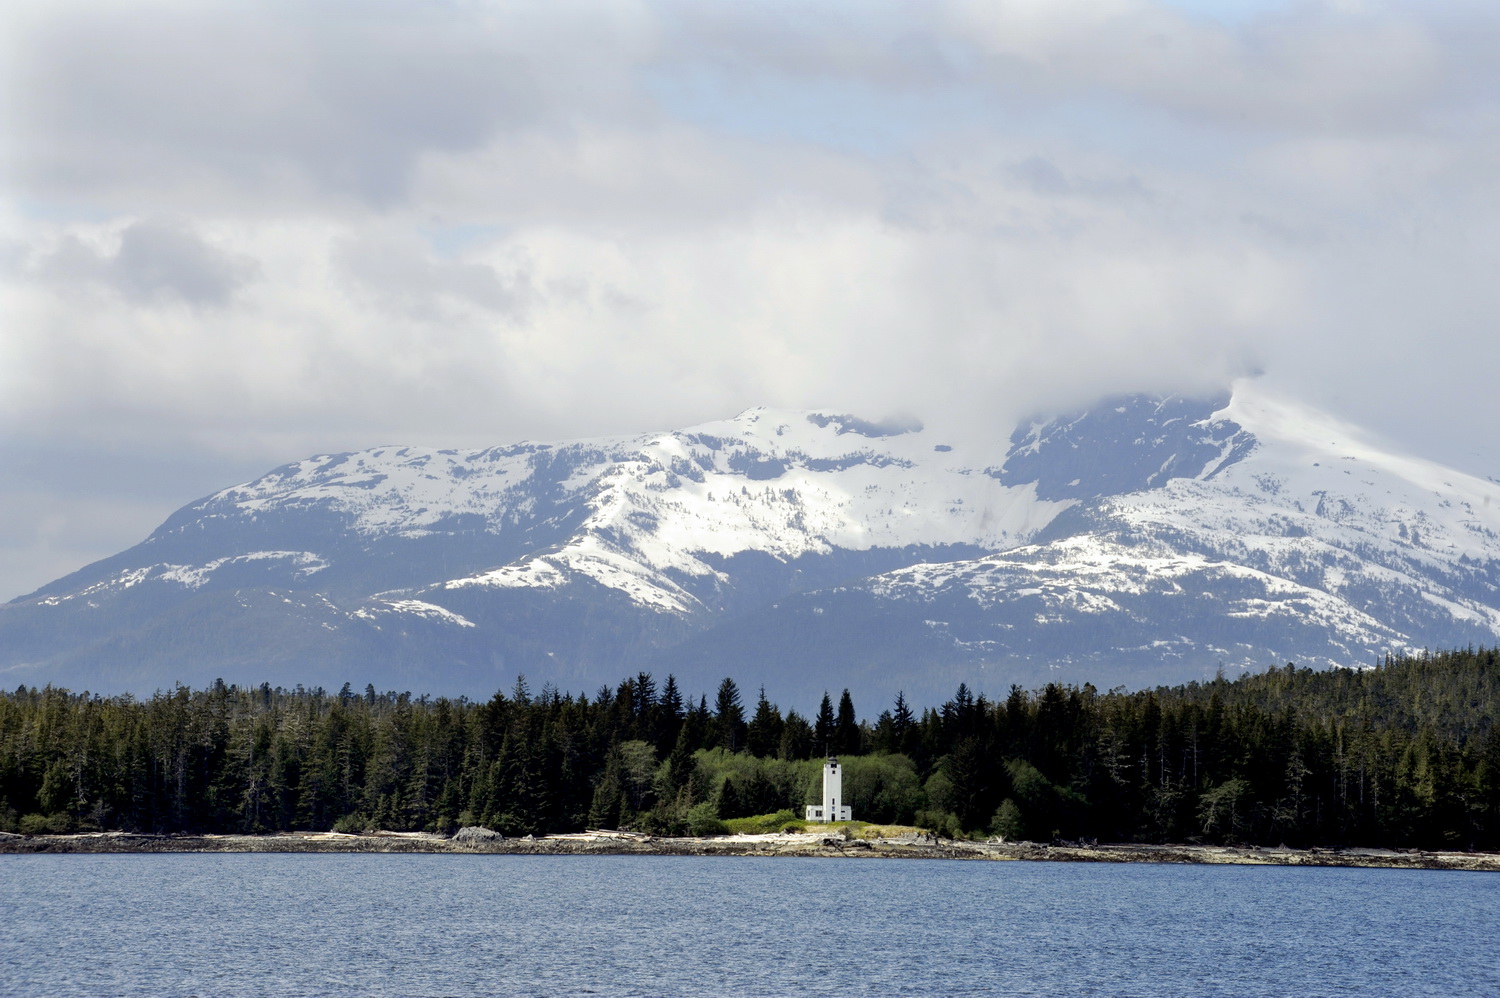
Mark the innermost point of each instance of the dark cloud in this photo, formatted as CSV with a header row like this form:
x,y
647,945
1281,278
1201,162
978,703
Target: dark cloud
x,y
287,100
154,261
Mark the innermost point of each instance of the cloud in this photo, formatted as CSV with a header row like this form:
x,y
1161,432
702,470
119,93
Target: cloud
x,y
292,102
400,271
153,261
243,234
1307,66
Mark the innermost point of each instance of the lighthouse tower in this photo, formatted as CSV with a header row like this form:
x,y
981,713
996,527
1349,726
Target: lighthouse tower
x,y
833,790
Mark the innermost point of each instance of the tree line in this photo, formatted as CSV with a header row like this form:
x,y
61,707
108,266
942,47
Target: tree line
x,y
1402,755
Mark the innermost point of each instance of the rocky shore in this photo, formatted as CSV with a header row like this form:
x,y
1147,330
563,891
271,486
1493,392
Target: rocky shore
x,y
825,844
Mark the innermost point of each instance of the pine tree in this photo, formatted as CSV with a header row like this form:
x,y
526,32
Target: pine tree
x,y
846,734
1404,754
671,697
823,732
729,716
761,795
902,717
796,738
607,808
520,692
669,715
680,780
730,804
763,736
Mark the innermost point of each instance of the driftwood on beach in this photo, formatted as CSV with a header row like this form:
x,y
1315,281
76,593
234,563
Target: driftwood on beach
x,y
821,844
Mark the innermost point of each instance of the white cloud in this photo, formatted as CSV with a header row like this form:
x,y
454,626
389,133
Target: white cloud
x,y
250,233
1309,66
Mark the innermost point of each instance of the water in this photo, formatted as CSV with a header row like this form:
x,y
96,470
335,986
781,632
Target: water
x,y
290,925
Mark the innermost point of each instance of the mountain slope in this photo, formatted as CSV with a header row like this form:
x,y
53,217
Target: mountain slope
x,y
1292,541
1146,539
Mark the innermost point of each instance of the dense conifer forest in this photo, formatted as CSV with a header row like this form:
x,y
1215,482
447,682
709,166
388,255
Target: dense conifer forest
x,y
1403,755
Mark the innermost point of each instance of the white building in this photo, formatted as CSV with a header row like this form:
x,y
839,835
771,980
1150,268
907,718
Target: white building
x,y
833,789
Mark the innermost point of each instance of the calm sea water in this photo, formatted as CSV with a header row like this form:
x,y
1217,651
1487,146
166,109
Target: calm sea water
x,y
286,925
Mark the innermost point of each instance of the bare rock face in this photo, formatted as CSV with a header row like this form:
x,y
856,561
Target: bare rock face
x,y
474,834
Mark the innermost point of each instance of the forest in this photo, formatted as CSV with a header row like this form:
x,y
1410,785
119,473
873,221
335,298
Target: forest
x,y
1405,754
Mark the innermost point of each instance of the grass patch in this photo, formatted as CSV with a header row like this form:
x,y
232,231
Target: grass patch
x,y
866,830
886,831
764,824
788,821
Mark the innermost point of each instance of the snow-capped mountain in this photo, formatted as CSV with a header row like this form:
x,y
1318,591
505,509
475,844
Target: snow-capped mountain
x,y
1146,539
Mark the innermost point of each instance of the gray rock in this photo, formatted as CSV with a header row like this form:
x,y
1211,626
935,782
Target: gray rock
x,y
474,833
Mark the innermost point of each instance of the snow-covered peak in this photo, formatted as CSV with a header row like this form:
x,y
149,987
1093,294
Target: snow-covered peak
x,y
647,514
778,483
1300,438
642,513
1125,444
1147,533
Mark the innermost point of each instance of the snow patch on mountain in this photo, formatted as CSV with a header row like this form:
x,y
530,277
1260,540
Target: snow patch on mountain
x,y
384,609
1318,504
1290,516
660,509
588,560
302,563
1144,531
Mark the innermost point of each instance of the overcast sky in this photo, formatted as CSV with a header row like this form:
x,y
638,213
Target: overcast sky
x,y
235,234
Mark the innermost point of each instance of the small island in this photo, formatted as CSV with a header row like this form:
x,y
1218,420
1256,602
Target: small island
x,y
1397,765
855,840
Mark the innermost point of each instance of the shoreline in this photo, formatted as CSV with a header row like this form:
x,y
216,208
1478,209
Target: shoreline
x,y
808,844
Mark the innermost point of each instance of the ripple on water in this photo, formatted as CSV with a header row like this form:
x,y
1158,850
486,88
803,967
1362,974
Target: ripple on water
x,y
456,925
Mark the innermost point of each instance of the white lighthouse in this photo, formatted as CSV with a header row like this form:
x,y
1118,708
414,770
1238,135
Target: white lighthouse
x,y
833,790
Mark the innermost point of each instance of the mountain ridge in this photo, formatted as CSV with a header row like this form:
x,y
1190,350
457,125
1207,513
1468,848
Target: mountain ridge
x,y
1144,539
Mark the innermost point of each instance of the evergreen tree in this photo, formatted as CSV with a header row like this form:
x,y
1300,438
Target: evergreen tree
x,y
668,716
680,777
671,698
903,725
823,730
763,737
846,734
1406,754
730,802
729,716
521,693
761,795
608,809
796,738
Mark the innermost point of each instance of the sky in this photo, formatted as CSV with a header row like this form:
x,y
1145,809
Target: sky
x,y
236,234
